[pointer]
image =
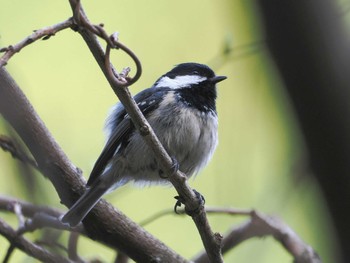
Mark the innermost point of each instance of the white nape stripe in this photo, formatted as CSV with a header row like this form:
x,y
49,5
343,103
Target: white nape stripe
x,y
179,81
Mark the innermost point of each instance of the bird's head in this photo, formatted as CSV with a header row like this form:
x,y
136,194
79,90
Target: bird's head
x,y
194,84
187,75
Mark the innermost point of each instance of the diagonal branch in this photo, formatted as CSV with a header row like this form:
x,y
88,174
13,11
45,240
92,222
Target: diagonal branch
x,y
44,33
210,240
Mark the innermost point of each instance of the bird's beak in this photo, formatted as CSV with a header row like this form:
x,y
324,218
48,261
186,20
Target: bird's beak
x,y
217,79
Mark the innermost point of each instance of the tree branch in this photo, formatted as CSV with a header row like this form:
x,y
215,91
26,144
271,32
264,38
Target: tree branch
x,y
28,247
69,184
44,33
261,225
9,145
27,209
210,240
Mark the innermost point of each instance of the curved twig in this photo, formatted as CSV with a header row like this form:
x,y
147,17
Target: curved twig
x,y
121,80
136,61
112,42
73,247
117,80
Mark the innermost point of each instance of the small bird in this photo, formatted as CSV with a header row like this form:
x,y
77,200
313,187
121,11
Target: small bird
x,y
181,109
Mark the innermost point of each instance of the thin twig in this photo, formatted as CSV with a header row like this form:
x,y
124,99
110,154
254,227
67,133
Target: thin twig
x,y
230,52
44,33
9,252
73,247
129,81
229,211
28,247
51,244
112,41
27,209
160,214
9,145
261,225
209,210
39,216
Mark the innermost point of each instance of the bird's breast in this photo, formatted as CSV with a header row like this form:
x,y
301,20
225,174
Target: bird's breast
x,y
188,134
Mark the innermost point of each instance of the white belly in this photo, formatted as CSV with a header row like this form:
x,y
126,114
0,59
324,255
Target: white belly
x,y
188,135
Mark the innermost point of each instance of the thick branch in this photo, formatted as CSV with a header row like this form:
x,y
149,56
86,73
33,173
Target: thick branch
x,y
111,227
51,160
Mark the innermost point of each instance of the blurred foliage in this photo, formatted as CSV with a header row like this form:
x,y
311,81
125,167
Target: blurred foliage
x,y
260,162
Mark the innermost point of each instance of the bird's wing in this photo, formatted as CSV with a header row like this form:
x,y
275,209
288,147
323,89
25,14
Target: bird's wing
x,y
117,136
122,127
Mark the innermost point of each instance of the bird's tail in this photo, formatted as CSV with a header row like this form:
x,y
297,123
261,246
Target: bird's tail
x,y
84,204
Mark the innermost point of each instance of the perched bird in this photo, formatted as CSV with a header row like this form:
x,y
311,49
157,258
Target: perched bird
x,y
181,109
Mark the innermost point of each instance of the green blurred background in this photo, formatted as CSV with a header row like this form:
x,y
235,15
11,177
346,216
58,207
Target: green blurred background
x,y
260,162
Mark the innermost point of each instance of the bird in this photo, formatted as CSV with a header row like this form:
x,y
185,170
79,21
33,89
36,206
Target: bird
x,y
181,109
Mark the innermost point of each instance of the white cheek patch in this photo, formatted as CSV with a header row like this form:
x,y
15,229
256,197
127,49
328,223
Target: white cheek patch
x,y
179,81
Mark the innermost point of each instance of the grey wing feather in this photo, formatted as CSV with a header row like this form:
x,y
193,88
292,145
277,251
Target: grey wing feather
x,y
121,127
117,136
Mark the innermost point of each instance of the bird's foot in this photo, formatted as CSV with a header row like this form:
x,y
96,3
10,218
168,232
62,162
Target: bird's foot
x,y
181,200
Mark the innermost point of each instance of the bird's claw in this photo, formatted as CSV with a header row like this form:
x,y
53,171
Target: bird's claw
x,y
180,201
